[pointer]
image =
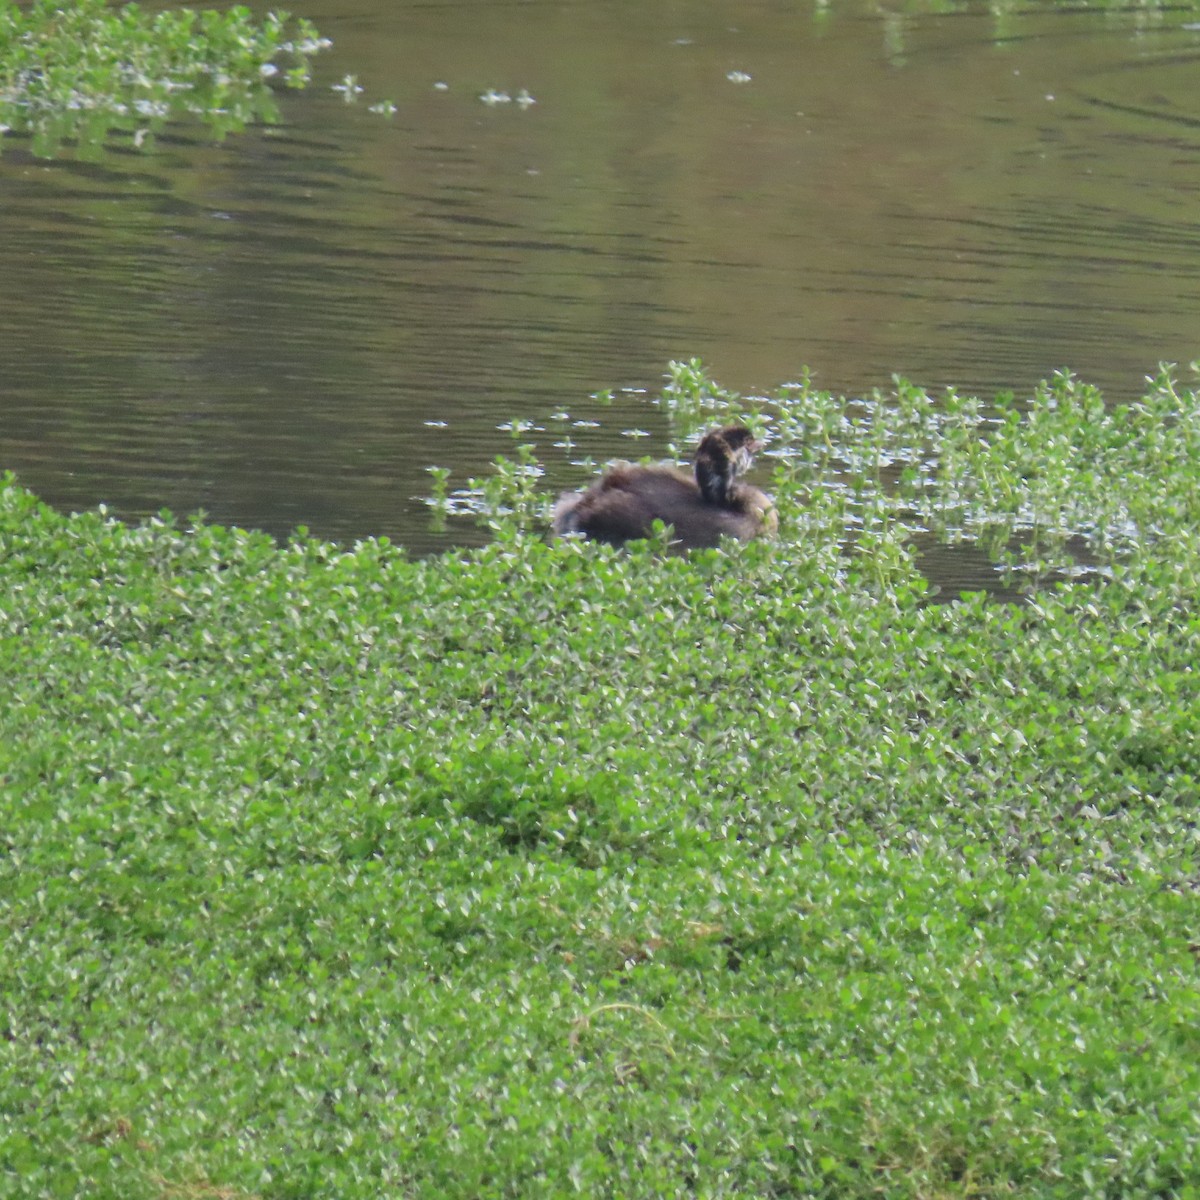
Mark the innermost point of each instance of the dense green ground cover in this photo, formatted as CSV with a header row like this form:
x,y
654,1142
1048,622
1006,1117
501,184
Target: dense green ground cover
x,y
545,870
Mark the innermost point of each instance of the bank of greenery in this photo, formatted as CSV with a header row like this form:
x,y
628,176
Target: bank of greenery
x,y
545,870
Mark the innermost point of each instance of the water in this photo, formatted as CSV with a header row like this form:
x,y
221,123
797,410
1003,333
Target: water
x,y
286,329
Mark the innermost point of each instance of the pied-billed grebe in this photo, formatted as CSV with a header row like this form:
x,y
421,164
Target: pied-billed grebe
x,y
624,504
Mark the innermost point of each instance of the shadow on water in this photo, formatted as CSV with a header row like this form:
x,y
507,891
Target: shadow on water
x,y
289,327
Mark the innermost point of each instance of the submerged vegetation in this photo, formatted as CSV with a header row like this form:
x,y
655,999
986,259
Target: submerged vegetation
x,y
81,70
551,870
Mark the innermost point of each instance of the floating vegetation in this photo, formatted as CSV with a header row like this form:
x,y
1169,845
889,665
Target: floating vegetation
x,y
1050,485
493,98
79,71
349,88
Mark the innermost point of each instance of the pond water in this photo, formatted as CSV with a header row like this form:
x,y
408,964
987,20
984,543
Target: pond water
x,y
287,328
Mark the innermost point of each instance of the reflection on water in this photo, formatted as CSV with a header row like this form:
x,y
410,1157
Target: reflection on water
x,y
288,328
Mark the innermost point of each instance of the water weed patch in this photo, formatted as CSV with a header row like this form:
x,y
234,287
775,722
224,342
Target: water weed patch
x,y
546,869
83,70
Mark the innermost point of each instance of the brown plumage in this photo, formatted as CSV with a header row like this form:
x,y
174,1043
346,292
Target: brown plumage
x,y
624,504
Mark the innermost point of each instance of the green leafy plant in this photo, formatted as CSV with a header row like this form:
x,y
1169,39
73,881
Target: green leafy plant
x,y
80,71
547,869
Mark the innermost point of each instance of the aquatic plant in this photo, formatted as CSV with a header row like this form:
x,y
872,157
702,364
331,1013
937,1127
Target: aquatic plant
x,y
81,71
1045,482
545,869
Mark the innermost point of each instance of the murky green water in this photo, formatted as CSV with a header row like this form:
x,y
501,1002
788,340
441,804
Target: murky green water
x,y
288,328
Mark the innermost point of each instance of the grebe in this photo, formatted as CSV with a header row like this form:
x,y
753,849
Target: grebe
x,y
624,504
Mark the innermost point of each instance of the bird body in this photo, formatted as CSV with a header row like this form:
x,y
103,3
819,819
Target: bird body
x,y
624,504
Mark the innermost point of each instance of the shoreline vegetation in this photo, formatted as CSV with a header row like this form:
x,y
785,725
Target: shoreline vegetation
x,y
548,870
